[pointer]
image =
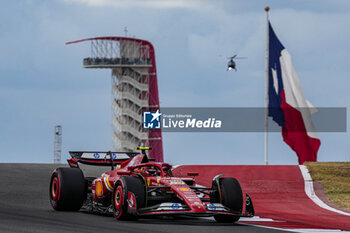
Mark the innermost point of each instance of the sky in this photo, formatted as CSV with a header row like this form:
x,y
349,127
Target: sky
x,y
43,83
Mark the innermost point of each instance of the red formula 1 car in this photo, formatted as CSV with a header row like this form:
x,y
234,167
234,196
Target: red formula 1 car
x,y
136,186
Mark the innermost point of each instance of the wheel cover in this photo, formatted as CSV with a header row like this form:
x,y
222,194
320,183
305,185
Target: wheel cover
x,y
54,189
118,198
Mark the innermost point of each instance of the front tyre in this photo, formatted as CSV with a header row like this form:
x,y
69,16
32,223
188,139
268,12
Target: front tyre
x,y
231,197
67,189
128,196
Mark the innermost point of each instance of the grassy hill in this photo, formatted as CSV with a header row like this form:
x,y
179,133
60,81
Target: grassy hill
x,y
335,177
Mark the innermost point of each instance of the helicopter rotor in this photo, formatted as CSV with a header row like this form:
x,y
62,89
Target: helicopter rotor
x,y
231,65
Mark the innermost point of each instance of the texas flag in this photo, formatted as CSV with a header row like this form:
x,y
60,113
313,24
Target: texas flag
x,y
287,105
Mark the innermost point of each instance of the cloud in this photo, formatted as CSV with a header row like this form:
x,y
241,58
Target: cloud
x,y
43,83
158,4
227,35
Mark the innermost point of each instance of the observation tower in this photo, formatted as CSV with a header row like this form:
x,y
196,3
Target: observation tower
x,y
134,88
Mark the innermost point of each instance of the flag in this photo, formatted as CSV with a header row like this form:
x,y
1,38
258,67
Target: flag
x,y
287,105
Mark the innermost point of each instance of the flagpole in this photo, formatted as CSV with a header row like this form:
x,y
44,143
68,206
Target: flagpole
x,y
266,86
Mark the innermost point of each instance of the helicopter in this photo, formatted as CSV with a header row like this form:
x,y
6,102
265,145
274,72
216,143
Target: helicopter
x,y
231,63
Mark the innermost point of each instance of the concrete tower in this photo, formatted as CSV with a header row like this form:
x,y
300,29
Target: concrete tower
x,y
134,89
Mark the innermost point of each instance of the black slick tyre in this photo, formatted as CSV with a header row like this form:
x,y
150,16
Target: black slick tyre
x,y
231,197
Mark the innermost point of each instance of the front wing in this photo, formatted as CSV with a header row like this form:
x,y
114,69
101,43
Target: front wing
x,y
169,208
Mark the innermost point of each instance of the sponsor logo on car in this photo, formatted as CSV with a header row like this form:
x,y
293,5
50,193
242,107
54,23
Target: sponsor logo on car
x,y
184,189
175,206
173,181
211,207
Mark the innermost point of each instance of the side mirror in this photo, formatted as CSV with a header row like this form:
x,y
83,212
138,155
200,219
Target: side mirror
x,y
124,173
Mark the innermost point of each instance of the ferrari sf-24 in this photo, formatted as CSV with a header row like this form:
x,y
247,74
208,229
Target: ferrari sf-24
x,y
137,186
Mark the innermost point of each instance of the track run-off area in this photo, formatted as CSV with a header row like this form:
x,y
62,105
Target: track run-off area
x,y
278,193
283,196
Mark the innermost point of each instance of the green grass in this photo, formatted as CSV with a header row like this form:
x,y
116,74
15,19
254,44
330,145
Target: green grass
x,y
335,177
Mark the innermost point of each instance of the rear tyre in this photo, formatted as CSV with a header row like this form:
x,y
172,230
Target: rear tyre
x,y
128,196
67,189
231,197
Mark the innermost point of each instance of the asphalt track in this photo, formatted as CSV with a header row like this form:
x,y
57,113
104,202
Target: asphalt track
x,y
24,207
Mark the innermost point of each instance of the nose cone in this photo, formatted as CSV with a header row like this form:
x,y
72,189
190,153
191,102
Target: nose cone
x,y
198,208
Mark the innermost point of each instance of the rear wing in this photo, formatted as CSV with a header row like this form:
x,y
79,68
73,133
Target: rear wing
x,y
99,158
